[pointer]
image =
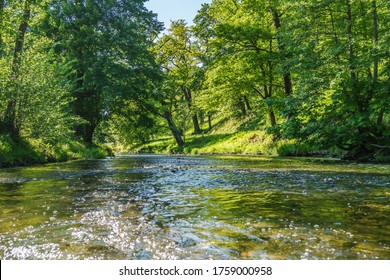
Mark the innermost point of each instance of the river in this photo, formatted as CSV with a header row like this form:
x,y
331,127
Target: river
x,y
163,207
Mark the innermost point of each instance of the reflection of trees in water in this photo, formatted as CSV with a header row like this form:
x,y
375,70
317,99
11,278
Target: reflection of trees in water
x,y
197,208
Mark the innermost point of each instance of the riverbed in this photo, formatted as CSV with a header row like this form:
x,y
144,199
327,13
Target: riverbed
x,y
162,207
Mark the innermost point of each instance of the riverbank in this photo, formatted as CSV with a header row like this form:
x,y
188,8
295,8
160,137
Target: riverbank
x,y
253,143
238,143
242,137
21,152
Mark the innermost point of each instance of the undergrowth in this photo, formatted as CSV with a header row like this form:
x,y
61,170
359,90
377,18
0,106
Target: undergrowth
x,y
234,137
16,151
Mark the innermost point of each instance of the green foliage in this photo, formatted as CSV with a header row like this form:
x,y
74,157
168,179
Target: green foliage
x,y
107,45
66,66
44,110
260,76
342,90
320,67
129,126
178,56
17,152
20,151
34,95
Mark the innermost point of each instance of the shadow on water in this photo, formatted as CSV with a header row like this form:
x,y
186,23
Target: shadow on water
x,y
168,207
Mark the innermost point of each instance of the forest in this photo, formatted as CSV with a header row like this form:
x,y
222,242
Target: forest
x,y
86,78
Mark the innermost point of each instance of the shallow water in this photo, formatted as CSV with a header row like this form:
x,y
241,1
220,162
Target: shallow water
x,y
170,207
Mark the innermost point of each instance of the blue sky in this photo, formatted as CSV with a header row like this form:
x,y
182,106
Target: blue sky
x,y
168,10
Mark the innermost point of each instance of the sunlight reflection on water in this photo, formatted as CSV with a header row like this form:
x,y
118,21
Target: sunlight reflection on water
x,y
164,207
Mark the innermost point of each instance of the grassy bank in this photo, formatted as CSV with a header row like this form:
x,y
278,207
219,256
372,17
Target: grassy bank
x,y
245,136
245,143
20,151
233,137
242,143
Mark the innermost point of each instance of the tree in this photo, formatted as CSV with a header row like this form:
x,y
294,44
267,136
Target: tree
x,y
177,52
2,7
33,93
106,43
10,123
246,60
340,81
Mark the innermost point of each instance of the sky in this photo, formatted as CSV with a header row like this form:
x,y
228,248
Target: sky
x,y
168,10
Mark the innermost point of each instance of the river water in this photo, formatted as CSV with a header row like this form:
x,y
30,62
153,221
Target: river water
x,y
173,207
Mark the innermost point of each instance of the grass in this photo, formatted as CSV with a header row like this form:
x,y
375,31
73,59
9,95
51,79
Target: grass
x,y
245,136
20,151
241,143
235,137
254,142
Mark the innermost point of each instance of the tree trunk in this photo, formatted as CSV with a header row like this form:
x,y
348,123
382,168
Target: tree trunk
x,y
2,6
87,106
247,104
376,40
10,122
195,122
334,32
175,132
241,105
375,55
379,120
272,118
89,130
188,97
209,121
351,54
287,84
336,39
201,117
286,75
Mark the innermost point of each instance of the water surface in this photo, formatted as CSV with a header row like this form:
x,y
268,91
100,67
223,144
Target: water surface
x,y
173,207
